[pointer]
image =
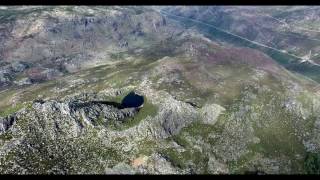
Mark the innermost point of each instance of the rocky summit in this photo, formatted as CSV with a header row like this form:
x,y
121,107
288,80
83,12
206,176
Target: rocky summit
x,y
159,90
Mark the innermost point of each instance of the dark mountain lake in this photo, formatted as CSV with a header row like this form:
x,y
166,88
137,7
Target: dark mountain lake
x,y
132,100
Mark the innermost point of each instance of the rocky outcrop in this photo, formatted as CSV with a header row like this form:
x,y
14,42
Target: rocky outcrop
x,y
71,115
89,111
210,113
6,123
10,70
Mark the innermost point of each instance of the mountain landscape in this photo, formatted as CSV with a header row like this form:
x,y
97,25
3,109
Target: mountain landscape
x,y
159,90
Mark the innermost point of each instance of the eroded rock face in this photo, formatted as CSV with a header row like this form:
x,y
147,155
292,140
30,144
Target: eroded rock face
x,y
216,167
6,123
10,70
210,113
121,168
173,116
88,111
62,131
70,115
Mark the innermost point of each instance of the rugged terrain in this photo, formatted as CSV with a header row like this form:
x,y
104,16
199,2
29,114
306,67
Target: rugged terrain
x,y
209,107
289,34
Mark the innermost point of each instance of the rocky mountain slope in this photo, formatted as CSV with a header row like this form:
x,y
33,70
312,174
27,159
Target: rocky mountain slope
x,y
290,35
208,108
53,41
